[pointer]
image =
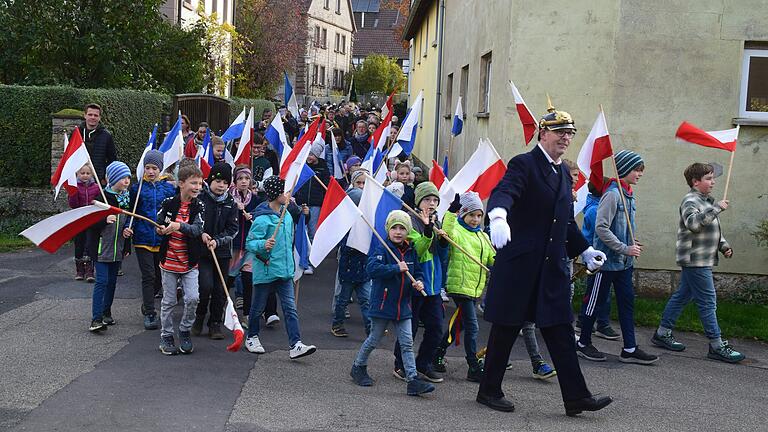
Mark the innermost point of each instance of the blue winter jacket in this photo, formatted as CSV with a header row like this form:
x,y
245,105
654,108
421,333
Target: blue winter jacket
x,y
352,264
344,154
590,214
150,202
277,263
391,290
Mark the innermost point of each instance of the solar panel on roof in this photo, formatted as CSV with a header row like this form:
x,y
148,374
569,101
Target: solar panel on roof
x,y
367,6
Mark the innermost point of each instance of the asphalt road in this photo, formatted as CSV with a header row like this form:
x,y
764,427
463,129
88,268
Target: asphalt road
x,y
55,375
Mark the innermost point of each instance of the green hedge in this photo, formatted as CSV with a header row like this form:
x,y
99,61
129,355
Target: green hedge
x,y
25,125
259,106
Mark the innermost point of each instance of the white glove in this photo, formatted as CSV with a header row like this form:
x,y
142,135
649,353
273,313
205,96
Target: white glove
x,y
594,259
500,232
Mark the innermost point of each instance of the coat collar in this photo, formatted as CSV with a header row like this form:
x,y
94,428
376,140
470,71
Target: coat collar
x,y
551,178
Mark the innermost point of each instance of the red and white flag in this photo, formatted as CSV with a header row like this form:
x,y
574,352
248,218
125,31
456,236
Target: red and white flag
x,y
74,157
294,162
337,215
722,139
381,133
436,175
49,234
480,174
595,149
243,155
233,323
526,116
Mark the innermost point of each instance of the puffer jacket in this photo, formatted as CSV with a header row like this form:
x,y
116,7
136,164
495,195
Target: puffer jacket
x,y
149,203
465,277
391,290
432,253
86,192
277,263
112,245
352,264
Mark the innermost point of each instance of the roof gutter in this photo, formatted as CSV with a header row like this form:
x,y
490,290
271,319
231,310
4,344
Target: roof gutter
x,y
441,30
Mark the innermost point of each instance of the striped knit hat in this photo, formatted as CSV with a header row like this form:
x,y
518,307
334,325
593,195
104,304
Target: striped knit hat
x,y
626,161
117,171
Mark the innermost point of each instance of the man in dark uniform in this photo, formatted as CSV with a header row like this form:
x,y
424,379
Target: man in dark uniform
x,y
532,226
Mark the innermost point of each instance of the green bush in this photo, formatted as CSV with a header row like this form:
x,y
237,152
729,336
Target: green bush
x,y
259,106
25,125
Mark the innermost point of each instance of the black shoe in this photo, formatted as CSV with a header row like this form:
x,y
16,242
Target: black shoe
x,y
431,376
399,374
97,326
197,327
592,403
419,387
498,404
607,333
185,342
439,364
589,352
475,374
339,331
214,332
107,319
638,357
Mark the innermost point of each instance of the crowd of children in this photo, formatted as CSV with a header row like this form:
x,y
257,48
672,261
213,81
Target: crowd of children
x,y
241,221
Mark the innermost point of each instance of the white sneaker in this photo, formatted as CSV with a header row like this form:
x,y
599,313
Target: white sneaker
x,y
272,320
444,296
300,350
309,271
253,344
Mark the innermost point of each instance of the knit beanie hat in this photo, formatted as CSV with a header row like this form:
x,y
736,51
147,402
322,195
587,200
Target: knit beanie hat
x,y
317,150
220,171
356,175
470,201
424,190
242,170
354,160
274,186
117,171
626,161
398,217
154,157
397,189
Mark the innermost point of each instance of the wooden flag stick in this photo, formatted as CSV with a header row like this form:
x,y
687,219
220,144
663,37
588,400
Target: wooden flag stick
x,y
218,270
285,207
730,167
106,206
450,148
95,176
136,203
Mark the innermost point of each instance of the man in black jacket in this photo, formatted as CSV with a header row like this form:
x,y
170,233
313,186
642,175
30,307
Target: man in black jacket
x,y
98,141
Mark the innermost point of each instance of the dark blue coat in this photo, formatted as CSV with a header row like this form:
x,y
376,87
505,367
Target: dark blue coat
x,y
150,202
391,290
530,280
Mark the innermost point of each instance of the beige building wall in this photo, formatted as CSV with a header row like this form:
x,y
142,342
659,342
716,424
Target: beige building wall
x,y
326,55
651,64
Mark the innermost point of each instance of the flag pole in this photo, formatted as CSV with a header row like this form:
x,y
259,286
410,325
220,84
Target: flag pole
x,y
282,212
450,147
136,203
96,176
621,192
106,206
730,167
384,157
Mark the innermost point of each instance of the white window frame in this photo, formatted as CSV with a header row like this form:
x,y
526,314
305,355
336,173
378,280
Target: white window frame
x,y
743,113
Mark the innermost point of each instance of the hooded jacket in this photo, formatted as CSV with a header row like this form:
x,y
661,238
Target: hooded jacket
x,y
465,277
391,290
149,203
277,263
590,214
432,253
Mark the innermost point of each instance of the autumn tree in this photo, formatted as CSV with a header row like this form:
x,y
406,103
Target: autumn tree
x,y
273,34
379,74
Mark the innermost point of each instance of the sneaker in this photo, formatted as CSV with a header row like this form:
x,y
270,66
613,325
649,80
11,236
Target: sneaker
x,y
197,327
253,345
309,271
244,322
168,345
150,322
725,353
339,331
439,364
637,357
444,296
97,326
510,365
543,371
589,352
431,376
238,302
272,320
360,376
347,315
300,350
120,272
418,387
107,319
399,374
214,332
475,374
607,333
667,341
185,342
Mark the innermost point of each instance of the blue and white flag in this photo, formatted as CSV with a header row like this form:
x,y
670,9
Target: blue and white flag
x,y
375,203
458,119
147,148
301,248
445,166
406,138
235,130
290,98
277,138
173,145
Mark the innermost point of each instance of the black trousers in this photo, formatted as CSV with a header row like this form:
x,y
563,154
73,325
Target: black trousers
x,y
151,280
211,291
562,349
86,244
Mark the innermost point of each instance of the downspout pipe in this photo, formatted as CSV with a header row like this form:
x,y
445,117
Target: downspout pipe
x,y
441,30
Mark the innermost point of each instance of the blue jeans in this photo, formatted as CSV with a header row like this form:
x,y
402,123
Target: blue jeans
x,y
429,311
625,300
314,215
284,290
531,344
104,288
695,284
404,337
603,309
471,329
342,300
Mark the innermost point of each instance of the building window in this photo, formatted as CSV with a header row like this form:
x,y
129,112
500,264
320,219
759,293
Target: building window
x,y
338,42
335,78
484,105
325,38
753,102
214,6
322,76
314,74
406,66
425,42
448,94
317,36
338,7
343,44
326,4
463,84
341,80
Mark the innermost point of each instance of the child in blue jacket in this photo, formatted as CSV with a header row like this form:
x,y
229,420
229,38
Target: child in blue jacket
x,y
391,301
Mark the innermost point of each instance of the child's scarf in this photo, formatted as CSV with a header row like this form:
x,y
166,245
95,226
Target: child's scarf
x,y
467,227
123,197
